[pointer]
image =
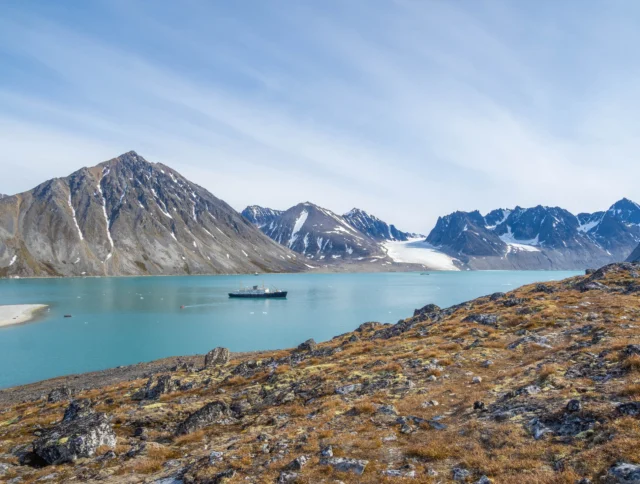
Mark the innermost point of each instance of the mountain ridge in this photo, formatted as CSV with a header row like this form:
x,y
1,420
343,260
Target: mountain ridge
x,y
539,237
127,216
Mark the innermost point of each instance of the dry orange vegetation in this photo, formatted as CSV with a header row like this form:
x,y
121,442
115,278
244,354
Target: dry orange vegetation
x,y
478,390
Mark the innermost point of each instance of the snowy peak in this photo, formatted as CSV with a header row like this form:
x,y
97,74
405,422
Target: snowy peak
x,y
260,216
373,226
552,232
319,233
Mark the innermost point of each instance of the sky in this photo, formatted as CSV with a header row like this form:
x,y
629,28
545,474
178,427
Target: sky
x,y
407,109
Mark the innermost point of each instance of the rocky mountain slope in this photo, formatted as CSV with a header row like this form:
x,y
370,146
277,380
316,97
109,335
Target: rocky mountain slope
x,y
317,233
127,216
374,227
635,255
260,216
539,237
539,385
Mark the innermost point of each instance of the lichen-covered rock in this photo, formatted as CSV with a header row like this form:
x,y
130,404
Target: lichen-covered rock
x,y
78,409
624,473
59,394
157,386
216,357
204,417
75,438
308,345
484,319
342,464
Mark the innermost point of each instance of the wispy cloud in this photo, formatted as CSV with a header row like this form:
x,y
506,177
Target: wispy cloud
x,y
406,109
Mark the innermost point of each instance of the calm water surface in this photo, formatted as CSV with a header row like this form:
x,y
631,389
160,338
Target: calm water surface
x,y
120,321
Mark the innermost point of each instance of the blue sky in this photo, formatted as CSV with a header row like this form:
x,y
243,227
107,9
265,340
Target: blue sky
x,y
407,109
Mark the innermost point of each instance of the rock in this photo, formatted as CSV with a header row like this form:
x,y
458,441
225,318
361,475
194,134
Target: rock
x,y
624,473
406,471
632,350
484,319
484,480
541,341
141,433
478,405
513,301
204,417
4,468
364,327
459,474
59,394
497,296
216,357
631,409
308,345
221,477
297,463
215,457
77,409
346,389
287,477
157,386
574,406
476,380
342,464
326,451
544,288
75,437
487,363
387,410
136,449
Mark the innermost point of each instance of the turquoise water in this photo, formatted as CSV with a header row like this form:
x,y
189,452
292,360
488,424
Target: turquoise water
x,y
121,321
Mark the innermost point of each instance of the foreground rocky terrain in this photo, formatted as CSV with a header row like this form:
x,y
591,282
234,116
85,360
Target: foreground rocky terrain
x,y
128,216
539,385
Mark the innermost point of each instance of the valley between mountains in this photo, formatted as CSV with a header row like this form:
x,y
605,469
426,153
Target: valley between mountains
x,y
128,216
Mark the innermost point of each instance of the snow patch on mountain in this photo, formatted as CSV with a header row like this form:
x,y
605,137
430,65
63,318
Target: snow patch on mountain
x,y
514,244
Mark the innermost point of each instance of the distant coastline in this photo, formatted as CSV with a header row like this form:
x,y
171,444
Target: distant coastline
x,y
19,313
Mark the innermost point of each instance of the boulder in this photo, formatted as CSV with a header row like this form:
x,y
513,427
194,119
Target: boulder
x,y
75,437
204,417
59,394
216,357
157,386
78,409
574,406
308,345
342,464
624,473
484,319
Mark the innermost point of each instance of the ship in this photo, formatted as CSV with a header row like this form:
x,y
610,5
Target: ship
x,y
259,293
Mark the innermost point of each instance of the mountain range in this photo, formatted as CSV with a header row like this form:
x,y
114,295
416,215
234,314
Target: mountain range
x,y
128,216
539,237
318,233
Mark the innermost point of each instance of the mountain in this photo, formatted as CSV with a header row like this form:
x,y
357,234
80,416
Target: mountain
x,y
3,196
260,216
127,216
319,234
539,237
373,226
635,255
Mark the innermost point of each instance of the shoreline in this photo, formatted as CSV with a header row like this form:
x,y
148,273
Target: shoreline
x,y
19,313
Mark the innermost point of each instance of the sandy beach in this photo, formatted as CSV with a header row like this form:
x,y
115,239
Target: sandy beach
x,y
18,313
